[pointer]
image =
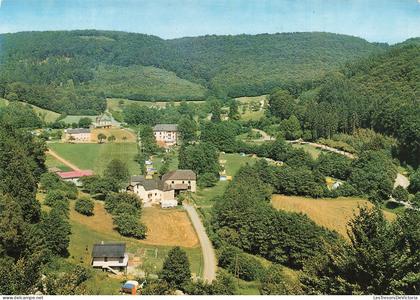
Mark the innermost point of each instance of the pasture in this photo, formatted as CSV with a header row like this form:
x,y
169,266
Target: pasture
x,y
52,162
122,135
97,156
87,231
44,114
313,151
333,214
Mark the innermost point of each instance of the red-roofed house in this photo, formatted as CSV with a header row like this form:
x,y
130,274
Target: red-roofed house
x,y
74,176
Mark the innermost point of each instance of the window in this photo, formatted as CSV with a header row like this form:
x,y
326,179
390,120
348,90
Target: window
x,y
173,182
105,259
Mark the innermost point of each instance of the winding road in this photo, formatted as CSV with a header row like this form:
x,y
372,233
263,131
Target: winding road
x,y
209,255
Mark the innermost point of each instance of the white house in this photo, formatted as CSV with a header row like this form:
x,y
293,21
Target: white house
x,y
110,256
163,191
166,135
78,135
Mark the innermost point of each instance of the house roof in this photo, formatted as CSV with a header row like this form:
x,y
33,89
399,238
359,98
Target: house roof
x,y
148,184
78,130
179,175
108,250
75,174
165,127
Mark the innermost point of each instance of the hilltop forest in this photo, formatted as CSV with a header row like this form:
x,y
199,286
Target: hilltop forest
x,y
74,71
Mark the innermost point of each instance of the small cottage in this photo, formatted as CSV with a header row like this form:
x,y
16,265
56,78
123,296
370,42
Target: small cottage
x,y
110,256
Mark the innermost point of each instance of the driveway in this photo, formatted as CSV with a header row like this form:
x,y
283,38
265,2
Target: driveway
x,y
209,255
64,161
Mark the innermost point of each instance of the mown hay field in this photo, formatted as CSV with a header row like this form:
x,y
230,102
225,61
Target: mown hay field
x,y
333,214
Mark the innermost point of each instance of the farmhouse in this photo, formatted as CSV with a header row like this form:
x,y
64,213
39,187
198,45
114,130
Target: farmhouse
x,y
163,191
74,176
166,134
180,180
103,121
110,256
77,135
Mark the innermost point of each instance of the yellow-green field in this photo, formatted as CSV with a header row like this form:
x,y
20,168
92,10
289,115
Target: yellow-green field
x,y
118,133
97,156
333,214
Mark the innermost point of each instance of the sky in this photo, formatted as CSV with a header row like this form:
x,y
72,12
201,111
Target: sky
x,y
388,21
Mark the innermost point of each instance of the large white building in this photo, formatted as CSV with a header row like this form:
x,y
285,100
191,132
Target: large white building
x,y
166,135
163,191
78,135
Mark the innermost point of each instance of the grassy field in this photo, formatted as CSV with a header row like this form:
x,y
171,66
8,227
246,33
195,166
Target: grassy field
x,y
119,134
75,119
51,162
87,231
333,214
233,163
96,156
313,151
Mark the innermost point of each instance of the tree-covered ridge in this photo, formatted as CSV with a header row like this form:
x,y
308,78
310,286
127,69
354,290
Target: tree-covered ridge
x,y
61,70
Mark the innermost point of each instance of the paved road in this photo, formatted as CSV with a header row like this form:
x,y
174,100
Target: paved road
x,y
209,255
64,161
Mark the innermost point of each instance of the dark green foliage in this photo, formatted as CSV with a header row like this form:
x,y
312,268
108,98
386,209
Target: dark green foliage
x,y
373,173
157,287
85,122
279,236
148,141
400,194
112,201
69,283
187,129
117,170
233,110
382,258
273,282
223,285
282,104
56,229
20,116
140,114
99,185
84,205
21,164
128,224
334,165
55,196
176,268
416,200
290,128
240,264
222,135
207,180
201,158
414,186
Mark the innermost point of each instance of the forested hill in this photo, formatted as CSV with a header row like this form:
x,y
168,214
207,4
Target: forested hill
x,y
73,71
380,92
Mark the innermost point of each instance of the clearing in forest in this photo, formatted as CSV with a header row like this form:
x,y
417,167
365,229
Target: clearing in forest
x,y
333,214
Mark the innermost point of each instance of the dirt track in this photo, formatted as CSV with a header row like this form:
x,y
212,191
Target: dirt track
x,y
64,161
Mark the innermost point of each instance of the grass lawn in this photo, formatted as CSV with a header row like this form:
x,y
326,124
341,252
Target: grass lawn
x,y
75,119
313,151
87,231
157,161
252,115
51,162
97,156
234,162
333,214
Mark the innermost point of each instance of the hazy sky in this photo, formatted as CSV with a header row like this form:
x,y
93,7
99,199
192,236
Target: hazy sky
x,y
375,20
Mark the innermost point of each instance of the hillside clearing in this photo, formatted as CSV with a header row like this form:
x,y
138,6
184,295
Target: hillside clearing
x,y
44,114
97,156
333,214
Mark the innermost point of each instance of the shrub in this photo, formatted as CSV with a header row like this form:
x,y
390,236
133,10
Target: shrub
x,y
207,180
84,205
54,196
129,225
115,199
400,194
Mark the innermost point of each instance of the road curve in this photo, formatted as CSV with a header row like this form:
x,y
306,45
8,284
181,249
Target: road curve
x,y
209,255
64,161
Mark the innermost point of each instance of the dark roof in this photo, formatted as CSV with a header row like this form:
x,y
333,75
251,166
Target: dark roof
x,y
108,250
148,184
78,130
179,175
165,127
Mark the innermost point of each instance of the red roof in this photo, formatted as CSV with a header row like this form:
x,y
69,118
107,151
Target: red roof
x,y
75,174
